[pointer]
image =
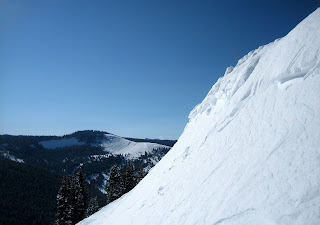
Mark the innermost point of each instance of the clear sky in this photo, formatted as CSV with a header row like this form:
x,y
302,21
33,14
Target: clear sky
x,y
133,68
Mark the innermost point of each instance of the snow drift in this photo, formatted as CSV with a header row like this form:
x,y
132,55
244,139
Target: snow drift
x,y
250,153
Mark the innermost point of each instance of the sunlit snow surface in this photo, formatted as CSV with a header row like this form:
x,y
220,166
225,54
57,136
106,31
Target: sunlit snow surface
x,y
251,151
119,145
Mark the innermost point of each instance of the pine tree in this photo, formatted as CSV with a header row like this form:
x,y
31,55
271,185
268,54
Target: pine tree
x,y
92,207
61,196
123,171
64,206
140,175
70,204
114,189
80,197
130,180
72,200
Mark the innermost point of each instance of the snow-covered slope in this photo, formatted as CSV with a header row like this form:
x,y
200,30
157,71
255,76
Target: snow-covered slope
x,y
7,155
118,145
111,143
250,153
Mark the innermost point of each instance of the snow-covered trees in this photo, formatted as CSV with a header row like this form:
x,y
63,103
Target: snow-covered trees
x,y
129,178
122,180
92,207
140,175
80,196
115,187
72,200
64,203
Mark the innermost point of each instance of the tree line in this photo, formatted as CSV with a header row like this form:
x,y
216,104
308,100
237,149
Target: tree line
x,y
122,180
72,199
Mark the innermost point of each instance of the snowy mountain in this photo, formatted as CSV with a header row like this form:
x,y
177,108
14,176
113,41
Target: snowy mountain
x,y
118,145
94,151
250,153
111,143
30,165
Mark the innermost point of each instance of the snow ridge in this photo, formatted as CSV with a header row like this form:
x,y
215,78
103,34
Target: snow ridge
x,y
250,152
118,145
111,143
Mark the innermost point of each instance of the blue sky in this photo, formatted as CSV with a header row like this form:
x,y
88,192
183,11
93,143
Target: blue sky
x,y
133,68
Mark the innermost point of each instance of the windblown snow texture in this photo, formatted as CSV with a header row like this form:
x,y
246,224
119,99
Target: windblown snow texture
x,y
250,153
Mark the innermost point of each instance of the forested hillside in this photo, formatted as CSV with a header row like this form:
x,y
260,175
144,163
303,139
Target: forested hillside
x,y
32,168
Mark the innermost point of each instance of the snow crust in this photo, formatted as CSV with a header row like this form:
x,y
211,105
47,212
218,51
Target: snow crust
x,y
250,153
66,142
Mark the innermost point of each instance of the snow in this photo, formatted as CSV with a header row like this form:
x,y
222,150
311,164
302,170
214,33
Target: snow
x,y
118,145
7,155
98,157
250,152
111,143
61,143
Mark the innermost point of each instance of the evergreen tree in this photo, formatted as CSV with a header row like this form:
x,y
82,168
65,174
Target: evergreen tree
x,y
80,196
61,196
114,188
130,180
64,206
123,171
72,200
70,204
140,175
92,207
